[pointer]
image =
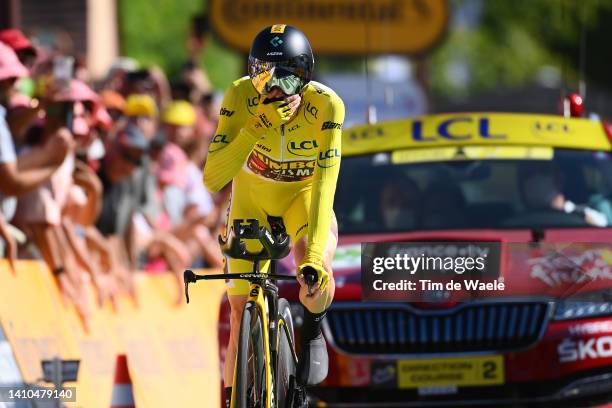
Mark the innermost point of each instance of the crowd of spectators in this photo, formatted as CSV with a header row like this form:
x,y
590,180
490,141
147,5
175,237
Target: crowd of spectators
x,y
100,179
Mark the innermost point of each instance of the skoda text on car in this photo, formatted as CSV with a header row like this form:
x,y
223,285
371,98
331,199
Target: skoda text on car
x,y
524,181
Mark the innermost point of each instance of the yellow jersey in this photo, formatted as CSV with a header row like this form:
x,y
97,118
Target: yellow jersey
x,y
303,154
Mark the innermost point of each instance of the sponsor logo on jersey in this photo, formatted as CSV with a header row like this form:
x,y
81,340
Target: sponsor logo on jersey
x,y
252,103
226,112
263,147
269,168
303,148
319,90
310,113
219,139
265,121
331,125
329,158
294,127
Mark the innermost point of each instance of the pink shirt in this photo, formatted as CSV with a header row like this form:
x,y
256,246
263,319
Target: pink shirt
x,y
45,203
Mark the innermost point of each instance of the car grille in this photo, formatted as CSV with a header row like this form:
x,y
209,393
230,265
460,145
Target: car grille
x,y
391,328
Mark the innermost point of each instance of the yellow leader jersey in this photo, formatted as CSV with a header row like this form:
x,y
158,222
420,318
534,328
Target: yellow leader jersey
x,y
304,153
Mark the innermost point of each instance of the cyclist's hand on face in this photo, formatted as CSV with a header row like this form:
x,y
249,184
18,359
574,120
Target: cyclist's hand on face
x,y
322,276
273,112
293,102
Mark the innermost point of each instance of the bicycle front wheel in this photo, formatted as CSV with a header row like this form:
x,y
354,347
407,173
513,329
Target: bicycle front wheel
x,y
250,361
286,361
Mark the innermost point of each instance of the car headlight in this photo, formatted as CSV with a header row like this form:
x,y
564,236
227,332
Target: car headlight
x,y
572,309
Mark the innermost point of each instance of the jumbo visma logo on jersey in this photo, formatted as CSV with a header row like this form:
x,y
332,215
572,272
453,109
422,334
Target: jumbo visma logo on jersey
x,y
269,168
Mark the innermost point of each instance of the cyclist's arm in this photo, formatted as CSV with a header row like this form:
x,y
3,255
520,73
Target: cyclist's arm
x,y
324,181
231,144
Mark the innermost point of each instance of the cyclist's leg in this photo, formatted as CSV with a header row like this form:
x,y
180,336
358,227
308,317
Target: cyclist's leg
x,y
241,206
237,303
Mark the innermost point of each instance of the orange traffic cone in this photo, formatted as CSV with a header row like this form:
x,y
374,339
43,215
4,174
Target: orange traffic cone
x,y
122,386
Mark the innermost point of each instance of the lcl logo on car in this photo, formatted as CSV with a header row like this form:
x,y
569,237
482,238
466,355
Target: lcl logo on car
x,y
367,133
551,128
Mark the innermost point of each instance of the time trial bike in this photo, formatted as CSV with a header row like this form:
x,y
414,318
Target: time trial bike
x,y
266,361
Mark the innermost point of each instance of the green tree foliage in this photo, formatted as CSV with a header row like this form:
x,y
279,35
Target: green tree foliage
x,y
154,32
514,39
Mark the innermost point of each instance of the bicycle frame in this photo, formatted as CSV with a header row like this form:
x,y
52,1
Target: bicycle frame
x,y
263,293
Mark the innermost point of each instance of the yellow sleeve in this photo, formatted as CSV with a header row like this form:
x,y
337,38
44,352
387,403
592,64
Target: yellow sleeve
x,y
231,144
324,181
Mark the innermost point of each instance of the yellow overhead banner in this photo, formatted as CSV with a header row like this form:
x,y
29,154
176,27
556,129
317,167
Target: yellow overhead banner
x,y
465,129
337,27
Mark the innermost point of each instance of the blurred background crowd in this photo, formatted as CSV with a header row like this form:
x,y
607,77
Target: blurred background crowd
x,y
101,178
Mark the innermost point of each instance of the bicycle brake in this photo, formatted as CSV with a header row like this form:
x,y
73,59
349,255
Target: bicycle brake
x,y
188,277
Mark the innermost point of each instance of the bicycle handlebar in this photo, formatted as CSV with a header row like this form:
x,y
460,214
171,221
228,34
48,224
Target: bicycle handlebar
x,y
276,244
190,277
310,276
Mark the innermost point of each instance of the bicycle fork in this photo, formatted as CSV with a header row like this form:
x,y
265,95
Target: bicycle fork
x,y
258,297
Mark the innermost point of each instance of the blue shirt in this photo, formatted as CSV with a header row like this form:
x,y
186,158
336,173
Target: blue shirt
x,y
8,205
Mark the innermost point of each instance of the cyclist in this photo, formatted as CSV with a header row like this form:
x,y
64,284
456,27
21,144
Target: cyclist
x,y
278,139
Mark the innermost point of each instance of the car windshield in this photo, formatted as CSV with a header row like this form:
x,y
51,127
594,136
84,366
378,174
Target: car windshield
x,y
391,192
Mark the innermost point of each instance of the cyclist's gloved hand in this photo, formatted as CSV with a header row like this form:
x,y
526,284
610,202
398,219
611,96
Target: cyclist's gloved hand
x,y
322,274
269,115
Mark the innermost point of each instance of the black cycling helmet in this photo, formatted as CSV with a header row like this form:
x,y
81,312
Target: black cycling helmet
x,y
280,56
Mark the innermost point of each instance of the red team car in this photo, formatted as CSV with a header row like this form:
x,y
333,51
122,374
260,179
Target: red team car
x,y
539,186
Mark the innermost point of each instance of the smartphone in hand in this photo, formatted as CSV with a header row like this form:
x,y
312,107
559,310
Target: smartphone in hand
x,y
63,70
